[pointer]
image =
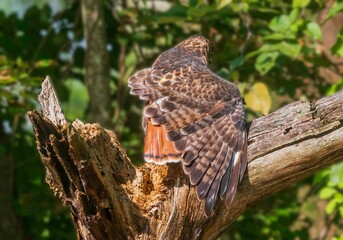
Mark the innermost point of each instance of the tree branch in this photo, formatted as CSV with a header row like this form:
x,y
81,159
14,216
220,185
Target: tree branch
x,y
109,198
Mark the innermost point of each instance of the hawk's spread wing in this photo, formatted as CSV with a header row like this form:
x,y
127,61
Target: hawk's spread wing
x,y
203,116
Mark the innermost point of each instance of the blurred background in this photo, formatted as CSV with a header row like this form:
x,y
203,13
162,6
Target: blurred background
x,y
277,52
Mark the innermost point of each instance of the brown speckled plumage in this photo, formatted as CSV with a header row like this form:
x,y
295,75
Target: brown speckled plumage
x,y
200,113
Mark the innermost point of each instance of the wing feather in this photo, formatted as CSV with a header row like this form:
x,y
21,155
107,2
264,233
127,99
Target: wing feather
x,y
194,148
211,196
204,186
203,116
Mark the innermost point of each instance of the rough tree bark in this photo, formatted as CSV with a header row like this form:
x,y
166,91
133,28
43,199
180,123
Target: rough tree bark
x,y
109,198
97,66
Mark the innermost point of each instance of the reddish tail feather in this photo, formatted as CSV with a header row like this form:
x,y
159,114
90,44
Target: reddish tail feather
x,y
157,148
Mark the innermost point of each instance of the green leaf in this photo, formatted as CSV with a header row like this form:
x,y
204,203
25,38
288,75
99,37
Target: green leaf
x,y
296,26
313,30
199,12
262,9
293,16
340,209
264,48
338,238
130,59
300,3
336,8
23,75
337,49
291,49
335,88
236,63
265,62
20,62
339,197
327,192
43,63
45,233
280,23
321,176
258,98
277,36
223,3
331,206
4,80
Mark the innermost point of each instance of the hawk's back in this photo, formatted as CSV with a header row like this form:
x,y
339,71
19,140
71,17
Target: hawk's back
x,y
194,116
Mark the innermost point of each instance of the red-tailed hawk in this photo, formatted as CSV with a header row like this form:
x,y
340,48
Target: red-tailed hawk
x,y
196,117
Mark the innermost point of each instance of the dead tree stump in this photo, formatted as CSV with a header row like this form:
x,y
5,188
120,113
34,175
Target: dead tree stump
x,y
109,198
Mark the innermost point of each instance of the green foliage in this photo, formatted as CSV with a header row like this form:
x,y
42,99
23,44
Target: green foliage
x,y
300,3
78,99
335,9
270,219
282,41
333,189
335,87
268,48
18,94
337,49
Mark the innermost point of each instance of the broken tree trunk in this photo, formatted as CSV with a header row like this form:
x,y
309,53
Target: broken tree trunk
x,y
109,198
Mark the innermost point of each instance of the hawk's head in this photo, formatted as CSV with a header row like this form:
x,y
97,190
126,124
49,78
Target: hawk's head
x,y
199,45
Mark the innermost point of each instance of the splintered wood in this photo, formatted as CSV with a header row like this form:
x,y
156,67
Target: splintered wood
x,y
109,198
